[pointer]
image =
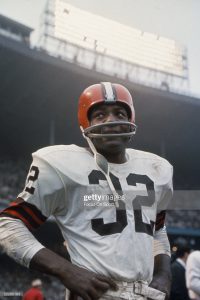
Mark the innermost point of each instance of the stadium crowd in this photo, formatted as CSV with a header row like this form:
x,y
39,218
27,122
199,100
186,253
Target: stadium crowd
x,y
15,280
12,177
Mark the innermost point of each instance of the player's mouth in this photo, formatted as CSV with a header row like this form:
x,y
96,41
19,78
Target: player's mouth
x,y
112,130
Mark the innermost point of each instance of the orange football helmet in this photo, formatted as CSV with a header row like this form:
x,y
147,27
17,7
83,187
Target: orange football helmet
x,y
105,93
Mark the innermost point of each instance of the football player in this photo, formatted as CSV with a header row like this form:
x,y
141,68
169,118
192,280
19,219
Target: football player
x,y
109,202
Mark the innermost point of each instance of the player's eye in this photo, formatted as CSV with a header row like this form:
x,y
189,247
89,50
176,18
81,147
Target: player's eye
x,y
98,115
122,114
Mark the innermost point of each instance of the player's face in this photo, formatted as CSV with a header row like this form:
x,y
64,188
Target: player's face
x,y
106,113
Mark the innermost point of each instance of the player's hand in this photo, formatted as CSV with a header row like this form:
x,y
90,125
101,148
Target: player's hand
x,y
162,283
86,284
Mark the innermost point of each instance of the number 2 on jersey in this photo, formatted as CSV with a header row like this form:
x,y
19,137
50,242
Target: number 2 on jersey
x,y
34,173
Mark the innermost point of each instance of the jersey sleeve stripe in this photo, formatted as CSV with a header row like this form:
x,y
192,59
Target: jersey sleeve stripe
x,y
27,212
33,215
160,220
22,213
31,209
34,210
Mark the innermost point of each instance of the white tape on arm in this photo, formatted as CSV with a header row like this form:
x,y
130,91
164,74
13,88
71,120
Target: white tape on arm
x,y
17,241
161,242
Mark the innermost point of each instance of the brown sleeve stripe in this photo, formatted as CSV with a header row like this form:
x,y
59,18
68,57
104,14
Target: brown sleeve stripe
x,y
35,218
160,220
32,210
22,214
27,212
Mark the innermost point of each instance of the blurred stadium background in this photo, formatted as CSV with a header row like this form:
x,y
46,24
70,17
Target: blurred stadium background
x,y
39,88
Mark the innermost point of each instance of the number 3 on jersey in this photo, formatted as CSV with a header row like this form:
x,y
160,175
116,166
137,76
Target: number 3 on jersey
x,y
121,216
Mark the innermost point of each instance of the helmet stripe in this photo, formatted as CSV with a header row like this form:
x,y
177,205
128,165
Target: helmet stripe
x,y
114,92
108,92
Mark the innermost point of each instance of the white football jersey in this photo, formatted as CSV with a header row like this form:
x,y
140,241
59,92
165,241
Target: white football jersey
x,y
64,181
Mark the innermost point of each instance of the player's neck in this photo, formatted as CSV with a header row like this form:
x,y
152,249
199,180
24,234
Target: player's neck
x,y
115,158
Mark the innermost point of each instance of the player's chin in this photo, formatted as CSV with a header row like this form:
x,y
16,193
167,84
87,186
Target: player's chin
x,y
112,145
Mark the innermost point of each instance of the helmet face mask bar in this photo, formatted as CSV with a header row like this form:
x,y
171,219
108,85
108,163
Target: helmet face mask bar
x,y
89,131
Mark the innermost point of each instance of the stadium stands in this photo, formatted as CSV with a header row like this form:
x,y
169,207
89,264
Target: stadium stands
x,y
13,175
15,280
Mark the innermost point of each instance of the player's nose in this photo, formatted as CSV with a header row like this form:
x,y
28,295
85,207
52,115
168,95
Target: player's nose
x,y
111,118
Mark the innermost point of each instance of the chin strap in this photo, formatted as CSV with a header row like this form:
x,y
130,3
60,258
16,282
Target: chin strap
x,y
103,166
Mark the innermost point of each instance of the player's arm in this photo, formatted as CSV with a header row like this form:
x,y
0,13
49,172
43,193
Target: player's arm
x,y
162,258
162,274
44,196
21,245
162,254
79,281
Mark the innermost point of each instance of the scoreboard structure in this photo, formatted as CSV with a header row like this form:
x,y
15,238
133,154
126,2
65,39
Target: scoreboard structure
x,y
109,47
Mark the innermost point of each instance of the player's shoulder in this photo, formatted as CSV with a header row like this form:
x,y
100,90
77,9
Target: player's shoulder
x,y
148,156
152,162
67,160
58,150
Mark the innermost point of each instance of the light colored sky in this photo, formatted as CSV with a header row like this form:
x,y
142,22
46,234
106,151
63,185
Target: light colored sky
x,y
176,19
